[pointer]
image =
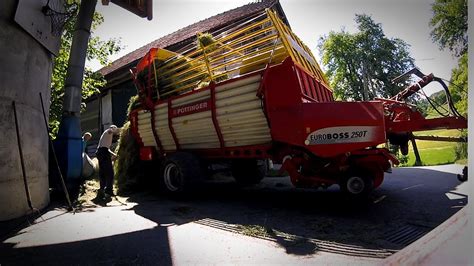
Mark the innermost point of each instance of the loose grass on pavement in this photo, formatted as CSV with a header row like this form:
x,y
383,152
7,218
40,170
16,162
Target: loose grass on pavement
x,y
88,192
254,230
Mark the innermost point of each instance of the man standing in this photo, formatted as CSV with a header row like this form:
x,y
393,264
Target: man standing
x,y
85,138
105,156
87,164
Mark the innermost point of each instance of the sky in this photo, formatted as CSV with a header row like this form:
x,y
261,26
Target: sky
x,y
309,19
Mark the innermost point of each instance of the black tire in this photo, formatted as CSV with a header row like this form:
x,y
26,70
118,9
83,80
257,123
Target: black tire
x,y
357,185
249,171
179,173
463,177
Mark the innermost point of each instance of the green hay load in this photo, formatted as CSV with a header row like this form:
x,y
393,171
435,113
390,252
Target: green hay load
x,y
206,40
127,166
133,103
169,83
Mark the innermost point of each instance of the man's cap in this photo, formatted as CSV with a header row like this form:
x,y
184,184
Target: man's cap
x,y
114,129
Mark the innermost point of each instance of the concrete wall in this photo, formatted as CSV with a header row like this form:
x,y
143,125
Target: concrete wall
x,y
25,71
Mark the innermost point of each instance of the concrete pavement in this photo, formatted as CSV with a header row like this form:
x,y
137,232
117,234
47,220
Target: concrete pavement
x,y
116,235
299,226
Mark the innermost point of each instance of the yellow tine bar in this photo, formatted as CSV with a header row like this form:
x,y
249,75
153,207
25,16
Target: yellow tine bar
x,y
186,79
182,64
179,64
248,28
206,60
299,58
308,65
246,65
241,48
313,68
156,80
268,38
185,71
280,31
180,89
230,36
249,55
237,49
244,38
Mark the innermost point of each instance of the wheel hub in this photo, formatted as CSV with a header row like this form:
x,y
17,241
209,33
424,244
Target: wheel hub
x,y
355,185
172,177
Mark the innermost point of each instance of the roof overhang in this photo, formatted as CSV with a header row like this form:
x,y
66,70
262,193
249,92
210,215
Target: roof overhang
x,y
118,72
141,8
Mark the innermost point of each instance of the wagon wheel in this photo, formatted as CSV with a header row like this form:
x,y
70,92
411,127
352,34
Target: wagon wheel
x,y
357,184
179,173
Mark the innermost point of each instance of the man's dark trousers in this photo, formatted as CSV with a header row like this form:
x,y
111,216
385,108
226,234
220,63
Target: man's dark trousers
x,y
106,171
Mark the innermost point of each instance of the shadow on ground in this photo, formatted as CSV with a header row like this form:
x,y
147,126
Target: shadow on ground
x,y
123,249
414,197
302,222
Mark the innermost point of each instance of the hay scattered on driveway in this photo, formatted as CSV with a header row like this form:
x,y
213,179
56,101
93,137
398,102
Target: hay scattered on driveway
x,y
88,196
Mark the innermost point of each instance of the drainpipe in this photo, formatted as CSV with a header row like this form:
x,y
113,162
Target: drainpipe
x,y
77,58
69,141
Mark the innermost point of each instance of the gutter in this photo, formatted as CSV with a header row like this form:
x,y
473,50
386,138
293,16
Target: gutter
x,y
448,244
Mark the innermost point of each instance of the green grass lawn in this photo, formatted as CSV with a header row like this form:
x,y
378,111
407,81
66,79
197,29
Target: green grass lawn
x,y
444,155
435,152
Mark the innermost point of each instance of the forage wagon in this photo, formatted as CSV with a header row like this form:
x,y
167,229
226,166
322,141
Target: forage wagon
x,y
252,92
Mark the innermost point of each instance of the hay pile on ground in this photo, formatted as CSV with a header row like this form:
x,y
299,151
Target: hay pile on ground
x,y
88,197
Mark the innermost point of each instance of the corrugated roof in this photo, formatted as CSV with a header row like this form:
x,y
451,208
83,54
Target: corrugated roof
x,y
188,32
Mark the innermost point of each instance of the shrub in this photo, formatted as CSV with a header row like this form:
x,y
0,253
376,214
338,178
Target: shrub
x,y
460,150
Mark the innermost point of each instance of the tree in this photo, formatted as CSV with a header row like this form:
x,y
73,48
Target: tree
x,y
459,92
97,50
364,61
458,87
449,23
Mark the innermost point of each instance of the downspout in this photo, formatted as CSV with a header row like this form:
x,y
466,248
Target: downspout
x,y
77,58
69,141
